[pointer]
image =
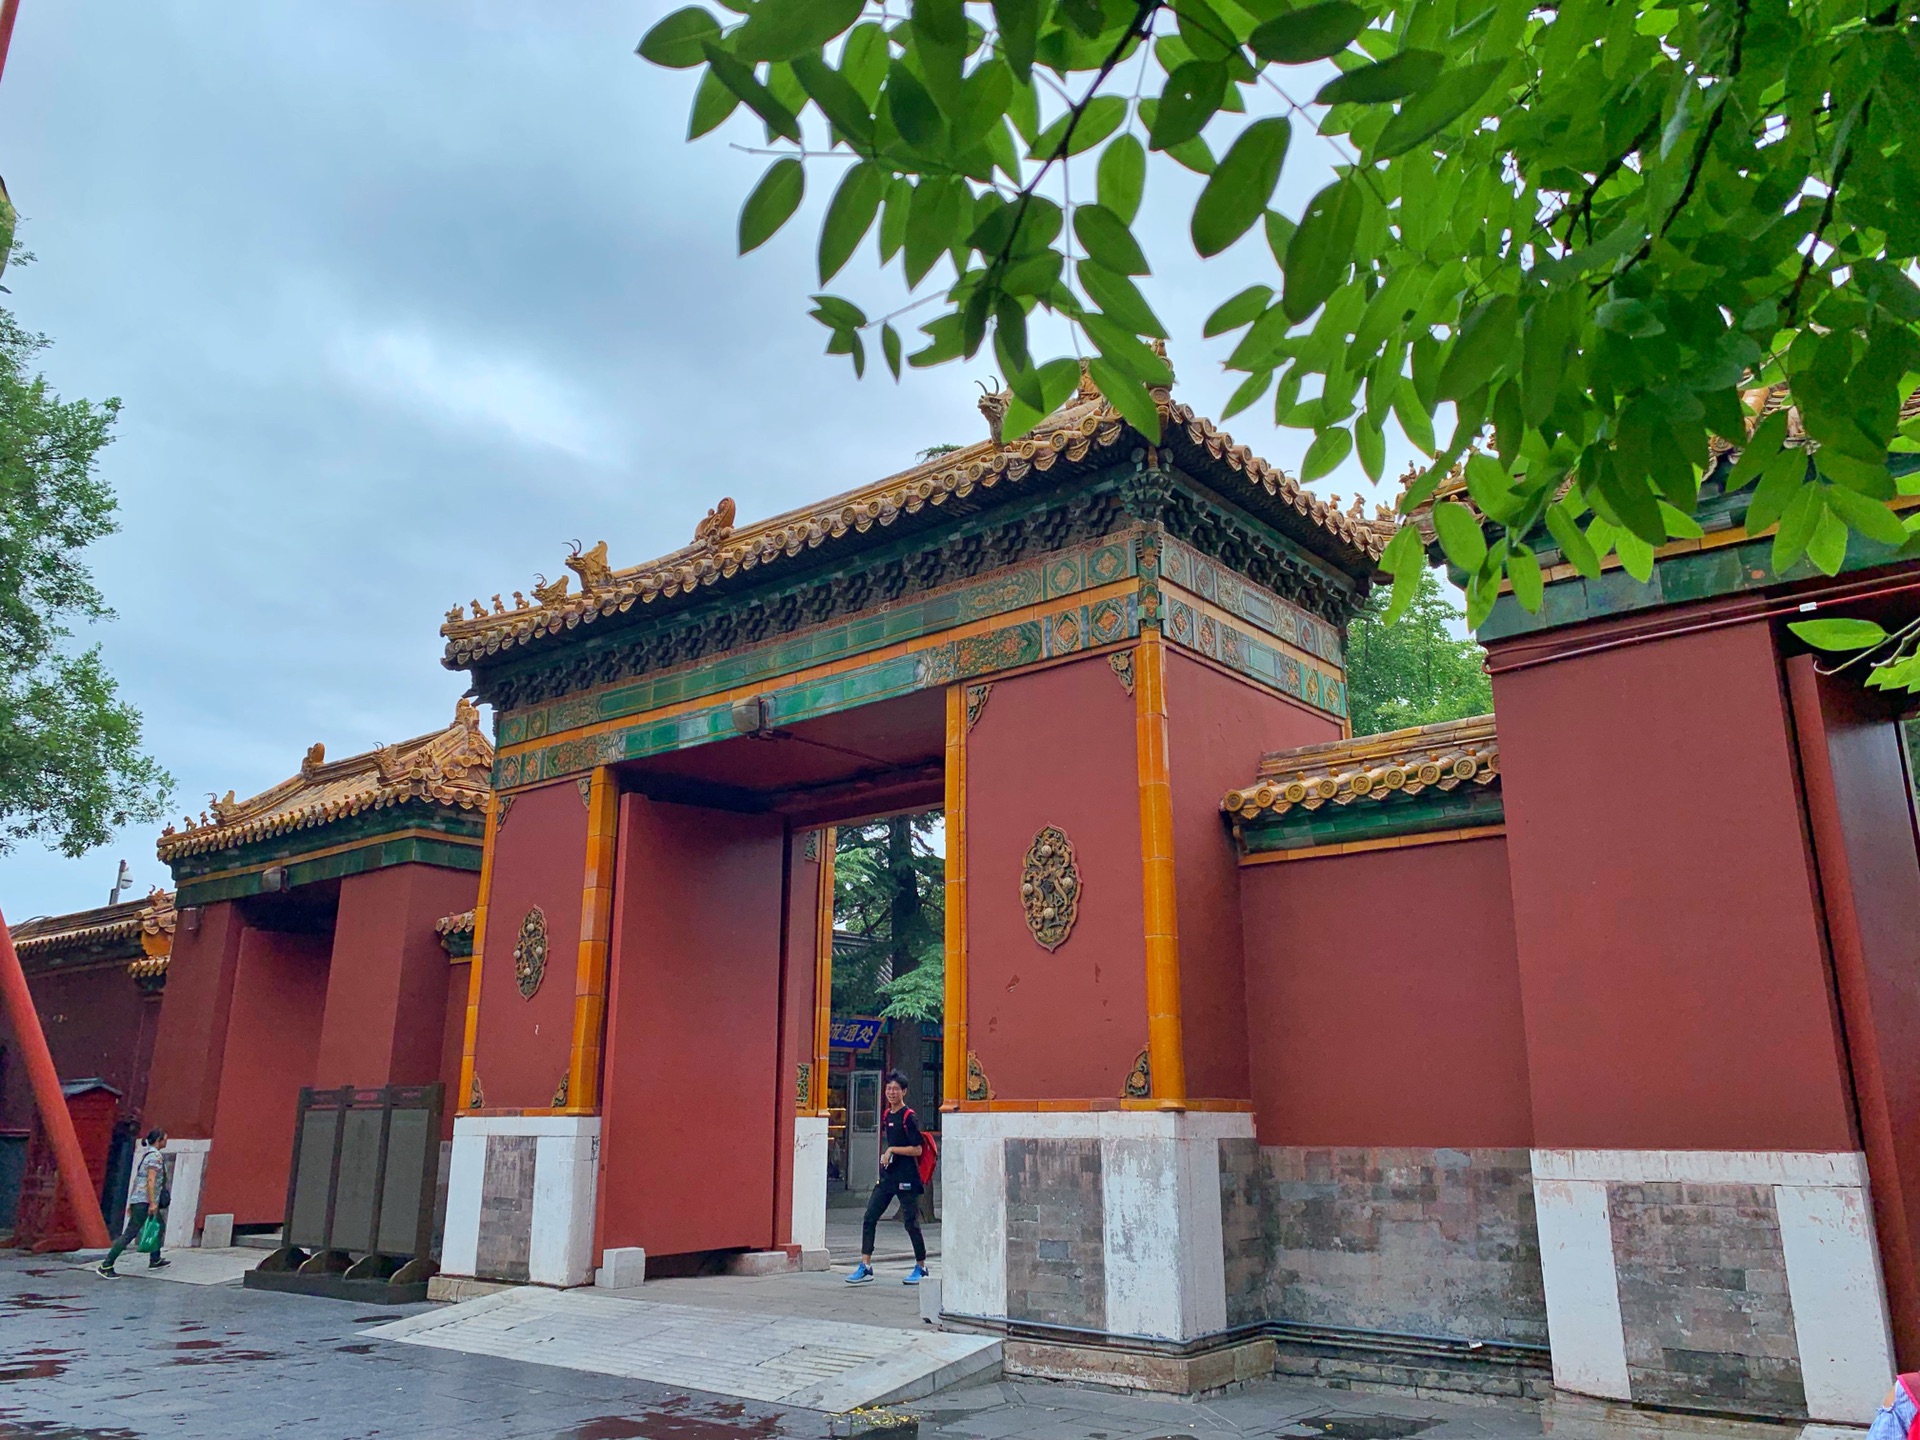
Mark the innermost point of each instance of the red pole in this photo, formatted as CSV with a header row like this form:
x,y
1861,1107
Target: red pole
x,y
8,10
46,1081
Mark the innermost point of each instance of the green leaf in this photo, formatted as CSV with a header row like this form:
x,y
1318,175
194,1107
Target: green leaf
x,y
1188,100
1486,340
933,225
1108,241
1329,448
1250,390
1768,437
1406,561
914,114
1242,309
785,29
1371,445
772,203
838,314
1439,105
763,102
1416,421
1492,490
1122,177
850,215
1679,524
1120,298
1236,196
1828,547
1839,634
1322,248
890,347
712,104
1103,115
676,41
1460,535
1310,33
1128,396
1784,478
1018,22
1543,355
1524,571
1797,524
1636,555
837,99
1125,351
1870,517
1573,545
893,219
1385,80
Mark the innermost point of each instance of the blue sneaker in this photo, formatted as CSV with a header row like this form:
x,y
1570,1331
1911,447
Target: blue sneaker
x,y
862,1274
915,1275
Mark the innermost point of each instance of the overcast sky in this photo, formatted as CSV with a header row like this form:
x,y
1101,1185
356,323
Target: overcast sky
x,y
402,297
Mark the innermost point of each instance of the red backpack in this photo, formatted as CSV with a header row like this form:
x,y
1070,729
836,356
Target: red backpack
x,y
930,1157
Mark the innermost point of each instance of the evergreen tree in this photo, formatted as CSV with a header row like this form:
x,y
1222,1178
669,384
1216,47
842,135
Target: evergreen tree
x,y
1417,670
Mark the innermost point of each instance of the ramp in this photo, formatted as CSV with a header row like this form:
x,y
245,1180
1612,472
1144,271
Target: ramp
x,y
810,1364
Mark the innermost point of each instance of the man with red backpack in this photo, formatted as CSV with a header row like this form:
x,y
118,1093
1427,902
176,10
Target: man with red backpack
x,y
907,1159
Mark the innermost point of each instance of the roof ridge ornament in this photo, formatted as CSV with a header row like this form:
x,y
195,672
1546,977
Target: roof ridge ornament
x,y
591,566
717,528
993,405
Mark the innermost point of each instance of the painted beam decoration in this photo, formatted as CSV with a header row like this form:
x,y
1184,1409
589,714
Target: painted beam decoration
x,y
1420,780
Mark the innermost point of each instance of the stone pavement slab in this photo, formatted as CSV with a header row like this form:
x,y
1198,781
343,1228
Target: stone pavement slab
x,y
788,1360
185,1267
822,1294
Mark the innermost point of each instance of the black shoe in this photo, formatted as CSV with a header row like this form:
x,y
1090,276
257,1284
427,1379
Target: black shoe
x,y
158,1264
104,1268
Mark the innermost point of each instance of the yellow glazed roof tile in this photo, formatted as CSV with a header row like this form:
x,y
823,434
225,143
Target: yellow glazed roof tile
x,y
1372,767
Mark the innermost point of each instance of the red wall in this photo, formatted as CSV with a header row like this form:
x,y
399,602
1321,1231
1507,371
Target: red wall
x,y
453,1039
1383,999
796,1024
387,983
191,1045
540,858
272,1042
1056,748
1857,791
93,1019
1671,956
692,1069
1217,727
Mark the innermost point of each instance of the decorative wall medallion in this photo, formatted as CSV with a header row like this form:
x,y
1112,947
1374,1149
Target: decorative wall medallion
x,y
530,952
476,1097
1122,663
977,696
1139,1084
500,809
978,1087
586,791
560,1092
803,1086
1050,887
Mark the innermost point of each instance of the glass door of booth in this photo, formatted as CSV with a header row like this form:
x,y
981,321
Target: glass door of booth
x,y
863,1129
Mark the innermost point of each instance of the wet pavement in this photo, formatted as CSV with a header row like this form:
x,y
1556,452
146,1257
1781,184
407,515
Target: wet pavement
x,y
84,1358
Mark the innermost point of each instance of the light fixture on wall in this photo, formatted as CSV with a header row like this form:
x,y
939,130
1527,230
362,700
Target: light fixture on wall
x,y
750,716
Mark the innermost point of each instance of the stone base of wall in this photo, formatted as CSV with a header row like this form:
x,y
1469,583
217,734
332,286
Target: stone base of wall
x,y
1132,1369
1578,1417
520,1193
1412,1366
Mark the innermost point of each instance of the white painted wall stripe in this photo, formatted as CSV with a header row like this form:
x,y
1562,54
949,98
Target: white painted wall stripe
x,y
1839,1300
810,1181
460,1242
1703,1167
1583,1289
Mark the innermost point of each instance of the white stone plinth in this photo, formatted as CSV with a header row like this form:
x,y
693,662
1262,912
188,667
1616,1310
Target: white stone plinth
x,y
622,1268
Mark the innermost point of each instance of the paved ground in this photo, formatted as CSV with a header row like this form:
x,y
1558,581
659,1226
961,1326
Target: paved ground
x,y
82,1358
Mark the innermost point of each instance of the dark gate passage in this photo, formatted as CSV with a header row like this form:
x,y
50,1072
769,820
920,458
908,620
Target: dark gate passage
x,y
359,1217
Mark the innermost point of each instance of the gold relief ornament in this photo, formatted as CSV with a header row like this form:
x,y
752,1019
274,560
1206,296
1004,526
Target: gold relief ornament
x,y
803,1086
1121,663
560,1092
1050,887
978,1086
977,697
476,1097
1139,1084
530,952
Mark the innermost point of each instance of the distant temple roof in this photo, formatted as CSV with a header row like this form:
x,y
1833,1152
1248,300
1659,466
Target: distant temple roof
x,y
139,931
1408,781
1086,423
451,766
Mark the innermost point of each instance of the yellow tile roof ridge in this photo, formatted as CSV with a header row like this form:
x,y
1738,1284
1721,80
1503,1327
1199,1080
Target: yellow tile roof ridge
x,y
461,924
1441,756
154,914
720,550
452,766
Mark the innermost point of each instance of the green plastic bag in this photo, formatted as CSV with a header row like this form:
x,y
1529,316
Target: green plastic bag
x,y
149,1241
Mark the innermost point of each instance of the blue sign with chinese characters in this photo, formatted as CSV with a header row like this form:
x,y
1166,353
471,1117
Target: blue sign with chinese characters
x,y
854,1032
